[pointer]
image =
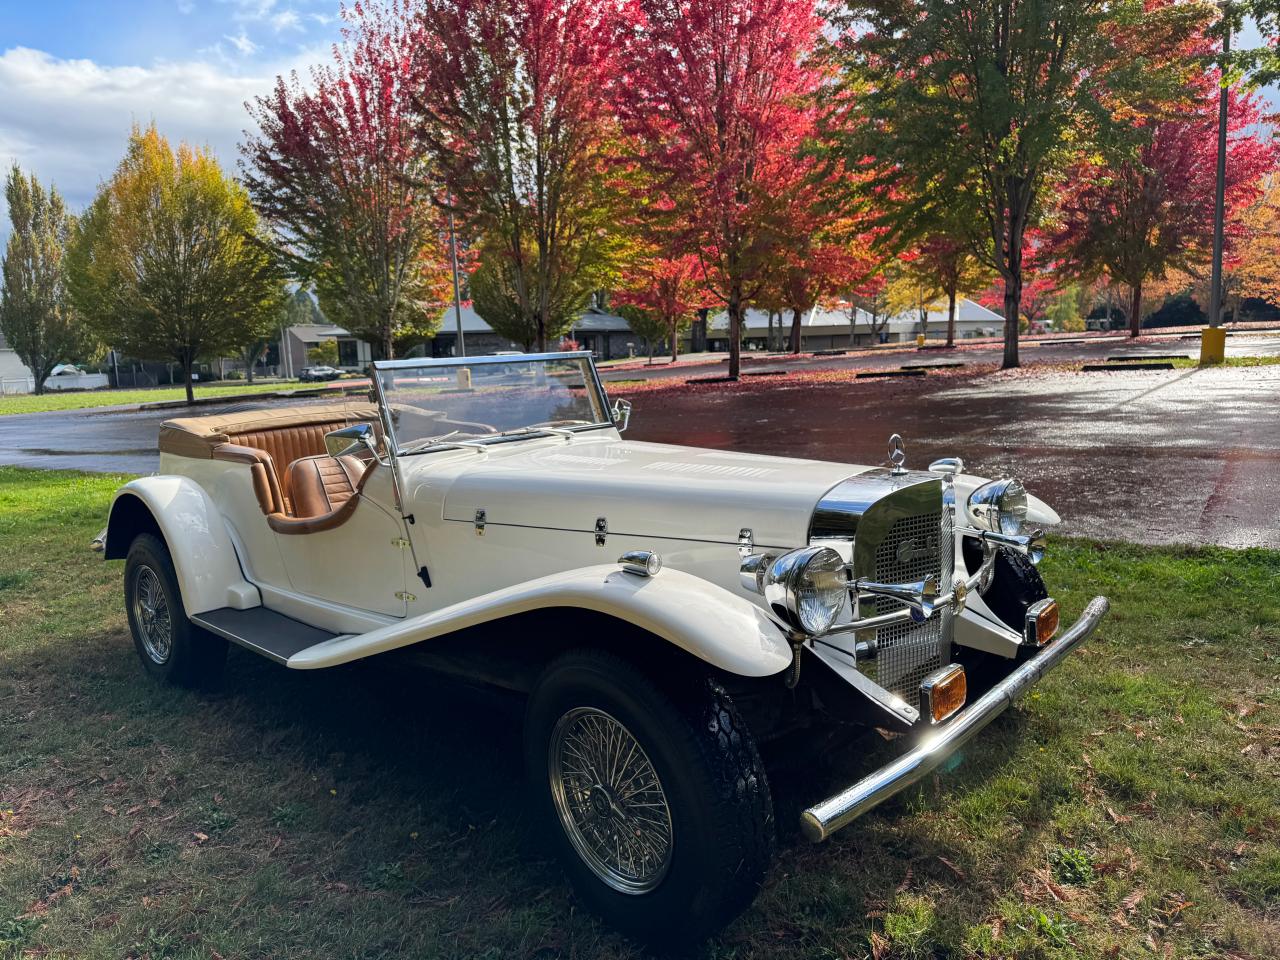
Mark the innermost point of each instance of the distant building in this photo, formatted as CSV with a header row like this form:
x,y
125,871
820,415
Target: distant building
x,y
824,328
15,376
353,353
608,336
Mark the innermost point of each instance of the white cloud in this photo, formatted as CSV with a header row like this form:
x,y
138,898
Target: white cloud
x,y
242,43
68,120
287,20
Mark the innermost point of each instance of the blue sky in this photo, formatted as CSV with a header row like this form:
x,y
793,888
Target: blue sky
x,y
237,33
75,75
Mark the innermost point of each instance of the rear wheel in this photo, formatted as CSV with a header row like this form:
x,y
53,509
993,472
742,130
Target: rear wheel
x,y
655,800
169,645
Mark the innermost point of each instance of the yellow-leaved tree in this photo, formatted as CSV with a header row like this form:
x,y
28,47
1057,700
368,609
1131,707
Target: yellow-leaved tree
x,y
169,262
1256,272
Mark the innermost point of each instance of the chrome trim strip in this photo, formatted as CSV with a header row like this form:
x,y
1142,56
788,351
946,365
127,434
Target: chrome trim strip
x,y
472,361
825,818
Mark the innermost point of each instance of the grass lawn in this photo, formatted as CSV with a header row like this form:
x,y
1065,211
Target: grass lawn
x,y
30,403
1129,808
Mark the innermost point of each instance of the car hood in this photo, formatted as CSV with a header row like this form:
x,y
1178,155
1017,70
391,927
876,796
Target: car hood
x,y
645,489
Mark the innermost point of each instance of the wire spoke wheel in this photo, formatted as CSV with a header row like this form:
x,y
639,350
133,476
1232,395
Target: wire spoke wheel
x,y
151,614
610,800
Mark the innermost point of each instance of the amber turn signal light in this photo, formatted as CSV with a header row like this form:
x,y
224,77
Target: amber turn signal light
x,y
943,692
1041,622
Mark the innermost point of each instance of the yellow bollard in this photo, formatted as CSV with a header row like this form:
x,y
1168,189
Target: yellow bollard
x,y
919,339
1213,345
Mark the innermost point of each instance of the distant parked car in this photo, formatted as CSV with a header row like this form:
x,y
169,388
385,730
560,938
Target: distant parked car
x,y
313,374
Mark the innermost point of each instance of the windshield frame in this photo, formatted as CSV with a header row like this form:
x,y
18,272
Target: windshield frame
x,y
393,445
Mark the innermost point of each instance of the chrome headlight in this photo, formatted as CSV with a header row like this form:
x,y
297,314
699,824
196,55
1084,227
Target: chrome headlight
x,y
1000,506
805,588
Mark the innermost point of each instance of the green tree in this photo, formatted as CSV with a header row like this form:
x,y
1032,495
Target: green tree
x,y
324,354
169,261
983,103
35,313
495,293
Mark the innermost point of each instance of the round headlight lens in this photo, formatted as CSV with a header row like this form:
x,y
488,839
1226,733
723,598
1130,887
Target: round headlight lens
x,y
821,591
1012,510
1000,506
807,588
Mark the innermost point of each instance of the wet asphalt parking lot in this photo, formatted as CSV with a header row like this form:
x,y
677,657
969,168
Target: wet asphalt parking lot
x,y
1182,456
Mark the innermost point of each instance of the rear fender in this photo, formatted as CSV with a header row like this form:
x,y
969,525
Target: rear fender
x,y
721,628
181,513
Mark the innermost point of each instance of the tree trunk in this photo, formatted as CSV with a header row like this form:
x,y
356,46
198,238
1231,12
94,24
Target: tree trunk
x,y
735,335
541,337
187,363
1012,309
1135,310
951,317
649,343
675,343
794,346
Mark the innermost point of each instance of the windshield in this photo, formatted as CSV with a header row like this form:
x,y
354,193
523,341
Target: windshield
x,y
488,399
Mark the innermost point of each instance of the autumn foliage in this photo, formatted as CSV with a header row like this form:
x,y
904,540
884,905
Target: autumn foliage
x,y
337,169
1144,214
715,95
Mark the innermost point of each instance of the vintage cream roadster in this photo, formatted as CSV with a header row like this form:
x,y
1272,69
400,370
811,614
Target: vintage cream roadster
x,y
665,609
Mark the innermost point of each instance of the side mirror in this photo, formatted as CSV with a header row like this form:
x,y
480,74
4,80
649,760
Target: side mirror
x,y
358,436
621,414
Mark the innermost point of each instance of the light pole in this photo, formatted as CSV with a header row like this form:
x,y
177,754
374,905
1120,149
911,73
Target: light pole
x,y
1213,340
457,299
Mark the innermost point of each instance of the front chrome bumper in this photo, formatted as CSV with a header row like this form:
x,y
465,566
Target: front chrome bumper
x,y
825,818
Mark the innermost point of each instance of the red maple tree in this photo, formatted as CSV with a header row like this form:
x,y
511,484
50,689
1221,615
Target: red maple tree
x,y
336,170
1139,217
715,94
666,289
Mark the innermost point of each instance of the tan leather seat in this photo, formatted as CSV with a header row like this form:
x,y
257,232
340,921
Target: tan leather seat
x,y
289,443
316,486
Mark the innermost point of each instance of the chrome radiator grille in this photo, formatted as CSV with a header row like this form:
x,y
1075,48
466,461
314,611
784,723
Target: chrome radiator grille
x,y
915,547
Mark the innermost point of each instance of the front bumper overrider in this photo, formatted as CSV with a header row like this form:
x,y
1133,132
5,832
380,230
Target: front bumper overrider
x,y
825,818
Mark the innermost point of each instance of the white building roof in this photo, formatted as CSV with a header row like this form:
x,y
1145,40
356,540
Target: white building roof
x,y
968,315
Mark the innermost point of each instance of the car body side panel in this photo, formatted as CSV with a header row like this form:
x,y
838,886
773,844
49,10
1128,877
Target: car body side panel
x,y
726,631
209,574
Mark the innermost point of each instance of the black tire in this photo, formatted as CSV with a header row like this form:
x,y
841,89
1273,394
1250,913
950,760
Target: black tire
x,y
711,777
191,656
1015,583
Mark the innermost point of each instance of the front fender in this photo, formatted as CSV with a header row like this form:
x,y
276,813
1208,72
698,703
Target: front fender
x,y
1039,513
718,627
191,525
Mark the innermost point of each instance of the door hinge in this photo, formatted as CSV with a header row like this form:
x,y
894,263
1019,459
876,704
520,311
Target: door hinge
x,y
746,542
405,596
480,522
400,542
602,530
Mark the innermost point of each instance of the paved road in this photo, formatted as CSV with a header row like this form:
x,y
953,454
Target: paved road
x,y
1162,457
1189,456
1095,350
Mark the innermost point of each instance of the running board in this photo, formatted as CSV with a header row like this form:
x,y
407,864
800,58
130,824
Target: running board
x,y
263,631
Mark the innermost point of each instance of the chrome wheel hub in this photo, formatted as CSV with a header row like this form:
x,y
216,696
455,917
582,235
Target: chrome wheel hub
x,y
151,614
610,800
